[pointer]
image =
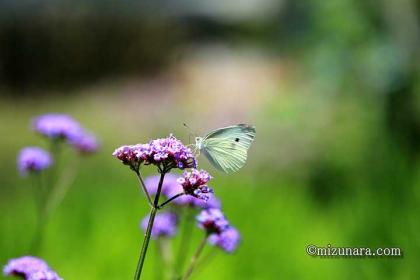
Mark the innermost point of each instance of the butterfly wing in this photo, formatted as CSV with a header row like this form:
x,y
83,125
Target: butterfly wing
x,y
227,148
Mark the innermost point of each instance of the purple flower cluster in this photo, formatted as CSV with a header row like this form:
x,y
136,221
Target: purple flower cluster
x,y
33,159
220,233
212,220
171,187
189,189
165,224
165,152
194,183
30,268
127,155
211,202
60,126
57,126
189,200
85,143
228,239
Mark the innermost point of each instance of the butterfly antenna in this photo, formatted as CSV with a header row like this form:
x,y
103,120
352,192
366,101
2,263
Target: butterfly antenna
x,y
190,134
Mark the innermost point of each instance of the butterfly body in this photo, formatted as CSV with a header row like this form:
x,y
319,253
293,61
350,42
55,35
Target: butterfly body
x,y
227,148
199,143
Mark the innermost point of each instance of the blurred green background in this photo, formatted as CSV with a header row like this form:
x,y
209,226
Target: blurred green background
x,y
331,86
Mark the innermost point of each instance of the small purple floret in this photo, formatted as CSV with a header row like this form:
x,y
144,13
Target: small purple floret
x,y
165,224
212,202
212,221
57,126
44,275
166,152
33,159
194,184
30,268
126,155
189,200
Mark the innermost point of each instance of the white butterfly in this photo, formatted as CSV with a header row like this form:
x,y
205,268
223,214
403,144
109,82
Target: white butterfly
x,y
227,148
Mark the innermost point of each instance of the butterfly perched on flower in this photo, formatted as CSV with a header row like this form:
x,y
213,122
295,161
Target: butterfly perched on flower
x,y
227,148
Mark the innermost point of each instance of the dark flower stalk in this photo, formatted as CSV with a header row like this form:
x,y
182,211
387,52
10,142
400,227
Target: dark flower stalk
x,y
147,235
143,186
170,199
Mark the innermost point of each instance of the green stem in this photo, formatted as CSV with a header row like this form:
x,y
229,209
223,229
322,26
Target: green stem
x,y
184,244
41,219
206,259
159,260
55,151
145,243
165,251
45,189
194,258
147,235
60,189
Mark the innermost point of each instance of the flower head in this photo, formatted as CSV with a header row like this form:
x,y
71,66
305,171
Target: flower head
x,y
126,155
57,126
228,239
172,187
44,275
30,268
85,143
194,183
33,159
169,184
212,220
212,202
164,225
165,152
190,200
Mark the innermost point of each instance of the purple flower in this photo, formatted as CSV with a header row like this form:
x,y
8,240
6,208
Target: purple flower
x,y
164,224
228,239
57,126
194,183
165,152
212,220
171,187
44,275
212,202
85,143
126,155
169,183
30,268
189,200
33,159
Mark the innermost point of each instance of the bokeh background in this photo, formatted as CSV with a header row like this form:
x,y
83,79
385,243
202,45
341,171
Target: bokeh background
x,y
331,86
